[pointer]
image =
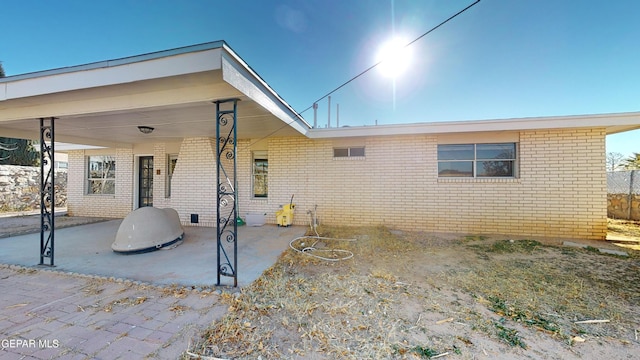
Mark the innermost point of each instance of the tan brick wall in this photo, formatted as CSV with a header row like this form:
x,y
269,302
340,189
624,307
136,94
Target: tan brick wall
x,y
160,177
560,192
193,189
194,182
117,205
564,182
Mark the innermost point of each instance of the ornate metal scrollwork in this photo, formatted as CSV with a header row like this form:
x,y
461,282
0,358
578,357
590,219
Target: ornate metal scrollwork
x,y
227,194
47,192
229,236
226,269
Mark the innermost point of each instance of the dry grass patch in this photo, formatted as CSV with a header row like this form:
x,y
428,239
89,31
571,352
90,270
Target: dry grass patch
x,y
415,295
630,228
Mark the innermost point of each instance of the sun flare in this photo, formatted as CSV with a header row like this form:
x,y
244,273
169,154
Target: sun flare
x,y
395,57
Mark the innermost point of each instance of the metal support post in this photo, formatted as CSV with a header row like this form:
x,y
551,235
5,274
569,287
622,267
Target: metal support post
x,y
227,185
47,192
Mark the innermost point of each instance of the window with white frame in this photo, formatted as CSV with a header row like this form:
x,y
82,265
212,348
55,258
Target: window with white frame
x,y
260,174
357,151
477,160
172,160
101,175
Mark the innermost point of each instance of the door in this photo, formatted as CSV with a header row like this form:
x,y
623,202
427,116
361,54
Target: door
x,y
145,181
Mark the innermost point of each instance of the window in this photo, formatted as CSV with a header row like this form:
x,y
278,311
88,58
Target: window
x,y
172,160
477,160
349,152
61,165
101,175
260,172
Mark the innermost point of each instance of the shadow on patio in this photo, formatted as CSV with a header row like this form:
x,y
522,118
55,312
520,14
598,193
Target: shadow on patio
x,y
86,249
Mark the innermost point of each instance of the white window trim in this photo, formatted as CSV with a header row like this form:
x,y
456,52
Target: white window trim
x,y
169,175
475,160
259,155
87,179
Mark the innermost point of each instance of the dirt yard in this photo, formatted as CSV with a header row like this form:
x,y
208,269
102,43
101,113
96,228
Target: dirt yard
x,y
410,295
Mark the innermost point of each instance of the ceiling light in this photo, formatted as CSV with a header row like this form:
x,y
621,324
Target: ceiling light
x,y
145,129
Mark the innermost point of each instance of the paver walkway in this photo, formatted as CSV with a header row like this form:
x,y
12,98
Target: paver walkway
x,y
50,315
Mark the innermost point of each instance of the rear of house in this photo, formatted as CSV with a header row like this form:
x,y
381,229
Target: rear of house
x,y
541,182
542,177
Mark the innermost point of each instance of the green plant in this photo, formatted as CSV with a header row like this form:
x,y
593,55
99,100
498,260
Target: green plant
x,y
528,318
424,352
510,336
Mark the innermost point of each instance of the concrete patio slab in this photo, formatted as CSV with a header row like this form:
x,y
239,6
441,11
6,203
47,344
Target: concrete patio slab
x,y
86,249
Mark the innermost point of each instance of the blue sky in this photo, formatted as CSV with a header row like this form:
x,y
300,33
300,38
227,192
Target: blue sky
x,y
500,59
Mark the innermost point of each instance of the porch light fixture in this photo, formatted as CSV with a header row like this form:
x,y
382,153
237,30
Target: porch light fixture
x,y
145,129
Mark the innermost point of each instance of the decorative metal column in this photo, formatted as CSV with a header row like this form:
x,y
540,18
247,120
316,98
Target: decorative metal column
x,y
227,185
47,191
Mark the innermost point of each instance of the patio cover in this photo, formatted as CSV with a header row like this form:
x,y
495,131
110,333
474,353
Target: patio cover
x,y
103,103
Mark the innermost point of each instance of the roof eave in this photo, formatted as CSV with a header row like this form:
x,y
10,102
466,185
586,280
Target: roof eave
x,y
116,62
277,105
613,123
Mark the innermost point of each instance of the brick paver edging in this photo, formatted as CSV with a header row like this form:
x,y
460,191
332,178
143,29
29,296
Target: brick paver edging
x,y
47,313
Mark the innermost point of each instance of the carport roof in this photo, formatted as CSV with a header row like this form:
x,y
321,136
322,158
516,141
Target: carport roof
x,y
103,103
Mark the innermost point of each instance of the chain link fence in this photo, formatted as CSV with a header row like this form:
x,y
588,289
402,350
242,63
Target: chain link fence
x,y
623,198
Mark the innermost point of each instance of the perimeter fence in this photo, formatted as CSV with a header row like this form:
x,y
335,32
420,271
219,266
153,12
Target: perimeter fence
x,y
623,194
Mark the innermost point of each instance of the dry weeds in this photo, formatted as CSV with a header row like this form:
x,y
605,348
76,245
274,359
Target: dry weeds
x,y
628,228
413,295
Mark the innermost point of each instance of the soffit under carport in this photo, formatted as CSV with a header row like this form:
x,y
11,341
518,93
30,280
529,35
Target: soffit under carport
x,y
171,124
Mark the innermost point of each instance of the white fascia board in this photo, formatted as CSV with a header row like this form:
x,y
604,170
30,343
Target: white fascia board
x,y
113,72
539,123
239,75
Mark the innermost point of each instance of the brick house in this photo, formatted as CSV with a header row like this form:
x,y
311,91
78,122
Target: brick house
x,y
525,177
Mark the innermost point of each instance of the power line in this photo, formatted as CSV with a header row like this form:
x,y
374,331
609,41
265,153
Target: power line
x,y
299,114
381,61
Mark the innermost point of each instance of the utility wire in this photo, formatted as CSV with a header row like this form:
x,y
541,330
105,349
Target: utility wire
x,y
299,114
381,61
